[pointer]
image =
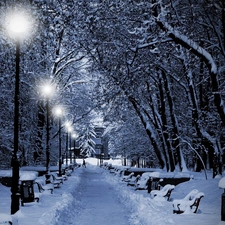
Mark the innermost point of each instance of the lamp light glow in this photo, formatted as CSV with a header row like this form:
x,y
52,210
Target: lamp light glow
x,y
58,111
69,129
67,125
18,24
74,135
47,90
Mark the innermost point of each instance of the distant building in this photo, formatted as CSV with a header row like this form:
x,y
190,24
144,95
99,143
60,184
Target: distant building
x,y
101,143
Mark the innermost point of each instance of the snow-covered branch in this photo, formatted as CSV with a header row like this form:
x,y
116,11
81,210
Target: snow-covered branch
x,y
189,44
60,69
194,47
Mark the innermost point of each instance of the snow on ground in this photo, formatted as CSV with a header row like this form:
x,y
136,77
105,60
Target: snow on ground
x,y
141,209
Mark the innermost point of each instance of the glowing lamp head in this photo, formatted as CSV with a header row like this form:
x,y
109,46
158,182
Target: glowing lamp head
x,y
74,135
58,111
18,24
67,124
68,127
47,90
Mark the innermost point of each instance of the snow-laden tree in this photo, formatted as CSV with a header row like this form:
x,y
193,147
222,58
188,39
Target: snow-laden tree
x,y
68,63
162,59
53,53
156,51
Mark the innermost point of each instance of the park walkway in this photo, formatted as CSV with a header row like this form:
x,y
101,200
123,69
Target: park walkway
x,y
96,203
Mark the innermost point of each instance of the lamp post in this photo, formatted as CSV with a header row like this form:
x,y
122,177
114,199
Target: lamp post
x,y
66,148
17,26
15,162
68,130
74,135
58,112
47,91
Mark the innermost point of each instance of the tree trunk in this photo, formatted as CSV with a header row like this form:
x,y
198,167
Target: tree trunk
x,y
150,134
39,150
164,125
175,133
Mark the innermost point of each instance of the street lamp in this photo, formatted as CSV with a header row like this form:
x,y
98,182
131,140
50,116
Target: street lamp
x,y
17,26
70,133
68,130
59,112
74,136
47,91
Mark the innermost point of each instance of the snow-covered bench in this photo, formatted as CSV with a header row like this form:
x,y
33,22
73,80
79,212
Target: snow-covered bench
x,y
68,172
127,178
189,202
164,192
61,176
133,181
43,187
56,180
118,173
142,183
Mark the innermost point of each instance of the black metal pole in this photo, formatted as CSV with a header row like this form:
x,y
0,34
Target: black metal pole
x,y
70,150
15,195
60,149
66,148
47,136
74,150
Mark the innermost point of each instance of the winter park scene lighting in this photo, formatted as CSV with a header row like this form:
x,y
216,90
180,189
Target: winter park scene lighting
x,y
112,112
18,23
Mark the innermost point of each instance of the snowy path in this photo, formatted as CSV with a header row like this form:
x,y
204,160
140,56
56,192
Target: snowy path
x,y
95,202
94,196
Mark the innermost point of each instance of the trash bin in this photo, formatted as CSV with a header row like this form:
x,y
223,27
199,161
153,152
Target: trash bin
x,y
27,191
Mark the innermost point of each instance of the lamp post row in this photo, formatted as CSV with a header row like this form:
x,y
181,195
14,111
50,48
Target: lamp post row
x,y
18,25
58,112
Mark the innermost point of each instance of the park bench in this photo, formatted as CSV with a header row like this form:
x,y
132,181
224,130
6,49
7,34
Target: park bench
x,y
115,171
57,179
127,178
42,187
61,176
118,172
68,172
141,183
190,202
164,192
133,181
54,180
